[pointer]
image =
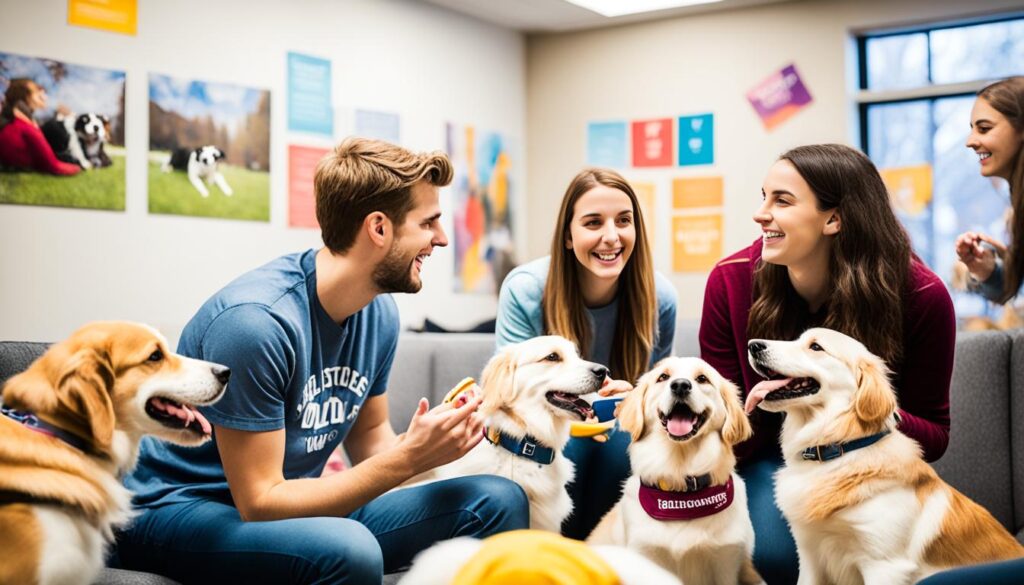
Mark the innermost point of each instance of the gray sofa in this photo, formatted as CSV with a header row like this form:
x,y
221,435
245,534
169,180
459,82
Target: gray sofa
x,y
985,458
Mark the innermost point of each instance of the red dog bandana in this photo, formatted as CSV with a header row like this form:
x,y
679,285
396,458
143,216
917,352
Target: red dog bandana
x,y
662,505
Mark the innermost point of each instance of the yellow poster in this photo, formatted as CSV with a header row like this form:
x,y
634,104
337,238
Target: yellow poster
x,y
645,196
120,16
910,188
691,192
696,242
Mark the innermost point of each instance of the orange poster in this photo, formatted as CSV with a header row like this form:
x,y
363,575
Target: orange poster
x,y
696,242
645,196
302,161
691,192
120,16
910,188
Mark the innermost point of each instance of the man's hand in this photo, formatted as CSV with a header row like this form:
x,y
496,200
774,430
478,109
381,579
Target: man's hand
x,y
442,434
980,260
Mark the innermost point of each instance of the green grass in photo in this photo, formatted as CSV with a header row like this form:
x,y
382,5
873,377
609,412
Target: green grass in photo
x,y
91,189
172,193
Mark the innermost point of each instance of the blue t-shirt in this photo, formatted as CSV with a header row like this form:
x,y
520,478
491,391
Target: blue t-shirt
x,y
520,313
292,367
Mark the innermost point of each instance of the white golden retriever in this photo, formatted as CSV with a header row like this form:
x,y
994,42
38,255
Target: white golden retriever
x,y
532,391
684,507
862,504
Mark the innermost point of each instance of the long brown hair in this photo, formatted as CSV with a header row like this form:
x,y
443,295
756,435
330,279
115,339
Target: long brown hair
x,y
1007,98
16,95
562,303
869,261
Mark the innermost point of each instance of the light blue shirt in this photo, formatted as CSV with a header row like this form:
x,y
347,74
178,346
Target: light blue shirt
x,y
520,315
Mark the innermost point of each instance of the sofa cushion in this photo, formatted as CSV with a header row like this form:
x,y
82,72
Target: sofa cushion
x,y
1017,428
16,356
465,355
977,461
411,378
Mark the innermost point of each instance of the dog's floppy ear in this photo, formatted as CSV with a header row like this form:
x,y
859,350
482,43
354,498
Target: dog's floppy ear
x,y
218,153
874,400
497,382
83,396
737,426
630,411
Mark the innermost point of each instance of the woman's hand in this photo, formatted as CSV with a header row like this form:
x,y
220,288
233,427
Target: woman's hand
x,y
614,387
980,260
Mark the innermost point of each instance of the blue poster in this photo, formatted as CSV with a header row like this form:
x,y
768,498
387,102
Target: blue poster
x,y
309,95
379,125
696,140
606,144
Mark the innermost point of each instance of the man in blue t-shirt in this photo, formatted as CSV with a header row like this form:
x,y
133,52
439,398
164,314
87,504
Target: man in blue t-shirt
x,y
310,339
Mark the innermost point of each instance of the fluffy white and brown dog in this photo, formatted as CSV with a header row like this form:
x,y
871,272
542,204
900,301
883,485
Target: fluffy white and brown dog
x,y
71,425
863,505
532,392
685,507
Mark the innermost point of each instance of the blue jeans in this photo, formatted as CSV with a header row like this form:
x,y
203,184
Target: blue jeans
x,y
205,541
774,548
601,469
1001,573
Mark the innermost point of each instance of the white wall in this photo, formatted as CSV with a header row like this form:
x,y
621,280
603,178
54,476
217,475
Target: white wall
x,y
62,267
694,65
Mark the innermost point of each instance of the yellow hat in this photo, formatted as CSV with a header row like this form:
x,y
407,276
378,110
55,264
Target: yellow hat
x,y
535,557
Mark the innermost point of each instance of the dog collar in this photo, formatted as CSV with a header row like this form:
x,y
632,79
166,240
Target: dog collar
x,y
31,421
527,447
836,450
688,505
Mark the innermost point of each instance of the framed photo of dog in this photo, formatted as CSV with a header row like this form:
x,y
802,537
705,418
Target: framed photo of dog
x,y
209,149
80,112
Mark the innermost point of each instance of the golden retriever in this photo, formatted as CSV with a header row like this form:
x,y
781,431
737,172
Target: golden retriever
x,y
72,425
531,556
863,505
685,507
532,391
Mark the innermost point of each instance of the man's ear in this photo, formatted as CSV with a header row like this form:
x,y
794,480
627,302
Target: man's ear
x,y
378,227
834,224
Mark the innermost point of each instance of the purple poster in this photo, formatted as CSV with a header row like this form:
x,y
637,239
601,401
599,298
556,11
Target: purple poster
x,y
779,97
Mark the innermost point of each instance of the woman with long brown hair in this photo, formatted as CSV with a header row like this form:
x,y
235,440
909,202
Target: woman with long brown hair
x,y
831,254
997,135
599,289
22,144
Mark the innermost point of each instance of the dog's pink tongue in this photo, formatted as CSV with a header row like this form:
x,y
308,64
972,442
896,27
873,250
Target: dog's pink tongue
x,y
679,425
207,429
761,389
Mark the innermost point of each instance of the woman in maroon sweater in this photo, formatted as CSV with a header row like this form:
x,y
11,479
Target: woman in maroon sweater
x,y
832,254
22,144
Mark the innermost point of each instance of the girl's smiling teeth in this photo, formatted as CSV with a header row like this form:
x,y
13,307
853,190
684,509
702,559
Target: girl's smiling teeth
x,y
983,156
608,256
772,235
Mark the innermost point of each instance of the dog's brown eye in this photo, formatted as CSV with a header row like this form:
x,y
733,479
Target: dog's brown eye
x,y
553,357
816,347
663,377
702,379
156,356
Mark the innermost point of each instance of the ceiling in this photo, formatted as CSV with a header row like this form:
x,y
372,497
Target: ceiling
x,y
536,16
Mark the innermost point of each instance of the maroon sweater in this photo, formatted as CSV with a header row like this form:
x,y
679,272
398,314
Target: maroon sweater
x,y
23,146
921,379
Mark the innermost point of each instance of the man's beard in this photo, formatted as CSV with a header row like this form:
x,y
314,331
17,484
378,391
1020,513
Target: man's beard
x,y
394,273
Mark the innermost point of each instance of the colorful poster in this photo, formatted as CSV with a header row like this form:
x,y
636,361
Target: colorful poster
x,y
302,162
910,188
484,195
779,97
696,140
379,125
606,144
645,195
309,95
120,16
652,143
209,149
691,192
696,242
95,154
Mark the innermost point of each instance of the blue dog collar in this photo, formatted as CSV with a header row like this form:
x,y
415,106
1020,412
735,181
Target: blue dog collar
x,y
527,447
837,450
33,422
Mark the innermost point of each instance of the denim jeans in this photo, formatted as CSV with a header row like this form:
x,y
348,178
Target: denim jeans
x,y
774,548
601,469
206,541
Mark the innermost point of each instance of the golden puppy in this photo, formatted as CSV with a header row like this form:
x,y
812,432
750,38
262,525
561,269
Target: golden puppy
x,y
862,504
684,507
71,426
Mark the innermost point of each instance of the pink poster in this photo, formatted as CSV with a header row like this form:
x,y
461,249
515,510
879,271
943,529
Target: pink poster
x,y
302,161
652,143
779,97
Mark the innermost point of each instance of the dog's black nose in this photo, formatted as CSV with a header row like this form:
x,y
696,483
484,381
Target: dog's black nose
x,y
680,388
756,347
222,373
600,372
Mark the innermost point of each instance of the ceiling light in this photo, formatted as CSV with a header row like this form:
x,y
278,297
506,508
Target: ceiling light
x,y
622,7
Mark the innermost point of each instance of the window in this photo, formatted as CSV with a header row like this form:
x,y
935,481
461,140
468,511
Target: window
x,y
917,90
